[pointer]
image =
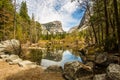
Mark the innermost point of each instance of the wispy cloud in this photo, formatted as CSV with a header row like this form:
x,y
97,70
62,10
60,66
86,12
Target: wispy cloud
x,y
51,10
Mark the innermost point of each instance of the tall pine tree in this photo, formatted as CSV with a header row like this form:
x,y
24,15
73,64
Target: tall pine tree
x,y
24,11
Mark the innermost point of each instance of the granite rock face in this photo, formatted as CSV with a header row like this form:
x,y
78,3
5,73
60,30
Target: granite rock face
x,y
52,28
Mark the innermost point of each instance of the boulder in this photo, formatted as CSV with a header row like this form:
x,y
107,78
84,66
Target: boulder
x,y
100,77
91,64
54,68
114,58
77,71
16,61
101,58
10,46
113,71
27,64
4,57
12,57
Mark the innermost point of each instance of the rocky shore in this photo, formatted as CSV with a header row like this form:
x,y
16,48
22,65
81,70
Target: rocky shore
x,y
12,67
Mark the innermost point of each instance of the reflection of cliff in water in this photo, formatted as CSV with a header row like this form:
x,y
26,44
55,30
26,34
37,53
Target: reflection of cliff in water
x,y
65,56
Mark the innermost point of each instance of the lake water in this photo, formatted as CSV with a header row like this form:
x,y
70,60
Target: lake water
x,y
66,56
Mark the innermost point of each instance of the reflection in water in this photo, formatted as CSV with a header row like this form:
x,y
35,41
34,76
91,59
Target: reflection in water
x,y
67,56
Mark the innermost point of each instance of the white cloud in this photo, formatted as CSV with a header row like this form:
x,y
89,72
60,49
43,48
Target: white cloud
x,y
45,11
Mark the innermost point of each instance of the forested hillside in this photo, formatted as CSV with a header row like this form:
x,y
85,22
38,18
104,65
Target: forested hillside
x,y
17,25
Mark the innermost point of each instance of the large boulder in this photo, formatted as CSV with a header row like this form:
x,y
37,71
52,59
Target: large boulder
x,y
100,77
113,71
77,71
54,68
10,46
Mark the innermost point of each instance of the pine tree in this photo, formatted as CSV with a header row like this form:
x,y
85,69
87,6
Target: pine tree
x,y
24,11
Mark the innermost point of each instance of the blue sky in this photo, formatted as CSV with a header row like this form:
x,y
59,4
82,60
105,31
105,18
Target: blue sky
x,y
69,13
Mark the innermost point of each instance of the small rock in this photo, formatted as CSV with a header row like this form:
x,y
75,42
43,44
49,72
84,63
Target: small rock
x,y
4,57
101,58
27,64
91,64
54,68
100,77
2,53
16,61
113,71
12,57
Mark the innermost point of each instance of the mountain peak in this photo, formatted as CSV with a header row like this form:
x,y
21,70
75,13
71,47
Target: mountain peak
x,y
52,27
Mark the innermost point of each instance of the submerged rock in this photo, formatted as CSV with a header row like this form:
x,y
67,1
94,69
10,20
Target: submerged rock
x,y
113,71
77,71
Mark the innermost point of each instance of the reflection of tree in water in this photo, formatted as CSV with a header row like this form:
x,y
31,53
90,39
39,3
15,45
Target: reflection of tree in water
x,y
53,53
36,55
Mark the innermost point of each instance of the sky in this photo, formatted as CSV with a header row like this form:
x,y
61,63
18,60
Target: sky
x,y
69,13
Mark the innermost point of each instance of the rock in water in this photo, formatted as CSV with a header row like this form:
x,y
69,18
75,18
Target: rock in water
x,y
113,71
10,46
77,71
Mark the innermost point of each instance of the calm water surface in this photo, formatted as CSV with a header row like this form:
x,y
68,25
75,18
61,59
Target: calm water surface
x,y
66,56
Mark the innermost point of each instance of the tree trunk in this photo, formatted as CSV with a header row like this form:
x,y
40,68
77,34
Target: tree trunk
x,y
92,24
117,22
107,25
14,19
